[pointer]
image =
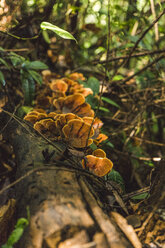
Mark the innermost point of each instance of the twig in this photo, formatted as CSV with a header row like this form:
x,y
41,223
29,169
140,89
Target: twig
x,y
143,69
127,56
143,34
46,167
156,24
20,38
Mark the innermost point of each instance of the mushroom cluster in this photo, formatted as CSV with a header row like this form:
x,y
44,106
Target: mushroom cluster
x,y
61,113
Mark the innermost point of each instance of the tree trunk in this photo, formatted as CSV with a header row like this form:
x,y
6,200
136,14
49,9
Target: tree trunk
x,y
63,199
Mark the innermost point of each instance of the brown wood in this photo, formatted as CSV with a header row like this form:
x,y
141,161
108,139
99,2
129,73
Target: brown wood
x,y
65,207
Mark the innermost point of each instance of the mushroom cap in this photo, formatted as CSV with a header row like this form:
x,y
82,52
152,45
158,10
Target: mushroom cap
x,y
69,82
101,137
97,123
46,72
99,153
78,133
84,110
76,76
88,119
80,89
99,166
34,116
58,103
72,102
52,114
63,119
41,115
58,85
31,118
39,127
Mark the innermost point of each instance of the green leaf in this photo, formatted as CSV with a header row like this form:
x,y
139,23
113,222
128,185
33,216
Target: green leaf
x,y
59,31
46,36
93,101
34,65
36,76
1,49
2,79
16,233
2,61
106,99
93,146
16,60
142,196
117,77
104,109
28,86
116,177
92,83
108,144
23,110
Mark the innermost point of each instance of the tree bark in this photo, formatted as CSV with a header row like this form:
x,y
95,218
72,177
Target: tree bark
x,y
63,199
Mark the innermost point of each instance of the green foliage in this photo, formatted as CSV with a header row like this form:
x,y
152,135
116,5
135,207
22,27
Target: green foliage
x,y
59,31
16,234
117,178
2,79
27,70
111,102
92,83
140,197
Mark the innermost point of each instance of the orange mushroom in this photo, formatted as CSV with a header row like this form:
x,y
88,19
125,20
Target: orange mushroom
x,y
46,127
73,104
101,137
99,153
31,118
58,85
99,166
69,82
76,76
78,133
63,119
84,110
52,115
34,116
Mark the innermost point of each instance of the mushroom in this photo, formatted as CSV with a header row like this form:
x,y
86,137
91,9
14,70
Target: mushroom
x,y
73,104
78,133
31,118
84,110
98,165
101,137
76,76
99,153
63,119
58,85
34,116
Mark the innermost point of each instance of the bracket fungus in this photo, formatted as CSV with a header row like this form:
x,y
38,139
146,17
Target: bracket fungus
x,y
76,76
100,138
78,133
35,115
58,85
73,104
72,120
98,165
99,153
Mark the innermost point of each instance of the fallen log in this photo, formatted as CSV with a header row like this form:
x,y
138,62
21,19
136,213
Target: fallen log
x,y
66,202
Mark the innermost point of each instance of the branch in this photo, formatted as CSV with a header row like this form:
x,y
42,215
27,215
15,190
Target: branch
x,y
143,69
132,56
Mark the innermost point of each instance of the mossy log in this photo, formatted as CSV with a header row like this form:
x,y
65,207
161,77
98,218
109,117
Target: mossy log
x,y
63,199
